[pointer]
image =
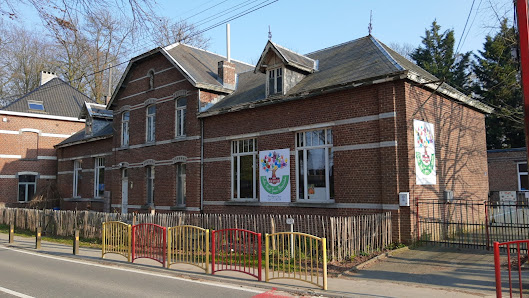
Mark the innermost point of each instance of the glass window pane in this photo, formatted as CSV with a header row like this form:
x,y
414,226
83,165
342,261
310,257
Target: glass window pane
x,y
246,184
126,116
31,191
331,173
301,175
522,167
524,185
21,192
329,136
235,178
316,174
279,88
308,136
241,146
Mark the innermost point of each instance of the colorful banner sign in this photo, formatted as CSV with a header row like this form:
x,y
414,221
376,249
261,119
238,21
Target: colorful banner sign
x,y
274,175
425,162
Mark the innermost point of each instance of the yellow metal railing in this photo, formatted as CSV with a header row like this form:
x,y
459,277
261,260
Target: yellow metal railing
x,y
189,245
296,256
116,238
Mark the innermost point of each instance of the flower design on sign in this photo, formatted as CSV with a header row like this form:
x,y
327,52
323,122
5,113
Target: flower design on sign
x,y
271,163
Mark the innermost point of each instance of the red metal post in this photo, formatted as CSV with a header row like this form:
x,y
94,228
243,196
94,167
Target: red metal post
x,y
259,256
213,252
164,247
497,271
521,11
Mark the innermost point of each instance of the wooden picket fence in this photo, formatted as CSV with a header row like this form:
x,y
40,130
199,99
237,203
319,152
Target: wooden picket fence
x,y
346,236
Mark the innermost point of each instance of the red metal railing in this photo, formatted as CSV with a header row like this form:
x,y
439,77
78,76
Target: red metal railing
x,y
149,241
513,259
236,250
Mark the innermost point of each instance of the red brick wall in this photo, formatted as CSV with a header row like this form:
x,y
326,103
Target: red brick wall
x,y
137,93
33,147
86,153
460,145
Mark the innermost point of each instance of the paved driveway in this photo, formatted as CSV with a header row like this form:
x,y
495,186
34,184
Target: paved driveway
x,y
463,270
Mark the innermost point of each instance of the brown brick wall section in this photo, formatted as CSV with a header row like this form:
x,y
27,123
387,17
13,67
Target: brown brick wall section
x,y
503,171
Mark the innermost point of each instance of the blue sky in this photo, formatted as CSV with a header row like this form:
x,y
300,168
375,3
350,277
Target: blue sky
x,y
309,25
306,26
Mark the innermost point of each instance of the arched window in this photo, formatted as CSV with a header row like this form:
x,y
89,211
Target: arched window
x,y
180,121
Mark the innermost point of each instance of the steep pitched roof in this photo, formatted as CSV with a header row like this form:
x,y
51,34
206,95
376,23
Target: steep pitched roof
x,y
361,61
57,97
199,66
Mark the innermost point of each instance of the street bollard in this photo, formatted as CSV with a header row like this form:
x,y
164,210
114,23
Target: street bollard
x,y
11,233
76,243
39,234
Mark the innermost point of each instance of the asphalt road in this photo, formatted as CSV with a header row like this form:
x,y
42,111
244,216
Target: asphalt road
x,y
27,274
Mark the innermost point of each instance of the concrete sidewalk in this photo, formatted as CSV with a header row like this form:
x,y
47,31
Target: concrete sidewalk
x,y
411,273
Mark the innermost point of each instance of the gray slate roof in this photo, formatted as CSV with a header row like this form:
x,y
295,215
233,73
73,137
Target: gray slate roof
x,y
289,58
355,61
57,97
202,65
79,136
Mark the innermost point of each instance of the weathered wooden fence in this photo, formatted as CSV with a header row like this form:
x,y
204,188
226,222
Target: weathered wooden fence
x,y
346,236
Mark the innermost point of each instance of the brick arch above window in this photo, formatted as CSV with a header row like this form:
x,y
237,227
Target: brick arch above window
x,y
149,102
148,162
178,159
123,165
180,93
124,108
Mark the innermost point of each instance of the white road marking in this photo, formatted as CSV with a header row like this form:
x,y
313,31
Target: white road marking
x,y
239,288
11,292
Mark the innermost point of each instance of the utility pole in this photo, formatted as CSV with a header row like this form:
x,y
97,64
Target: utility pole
x,y
523,31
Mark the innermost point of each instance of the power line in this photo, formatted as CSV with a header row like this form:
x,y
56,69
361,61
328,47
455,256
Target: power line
x,y
464,28
233,17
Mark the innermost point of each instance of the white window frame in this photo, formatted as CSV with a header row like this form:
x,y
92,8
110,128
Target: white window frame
x,y
180,179
26,185
520,174
149,186
77,168
98,165
125,136
180,117
150,125
34,102
301,145
274,73
249,147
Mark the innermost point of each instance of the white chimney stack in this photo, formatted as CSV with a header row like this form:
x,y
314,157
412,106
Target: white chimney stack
x,y
228,55
46,76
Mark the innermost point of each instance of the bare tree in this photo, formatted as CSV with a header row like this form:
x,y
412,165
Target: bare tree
x,y
405,49
169,32
23,56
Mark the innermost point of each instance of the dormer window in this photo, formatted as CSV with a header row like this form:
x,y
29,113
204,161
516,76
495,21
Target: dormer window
x,y
36,105
88,128
275,81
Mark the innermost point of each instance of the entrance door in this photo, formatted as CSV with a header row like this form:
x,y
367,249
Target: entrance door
x,y
124,191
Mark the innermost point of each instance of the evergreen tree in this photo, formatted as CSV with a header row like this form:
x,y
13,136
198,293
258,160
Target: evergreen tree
x,y
498,85
438,57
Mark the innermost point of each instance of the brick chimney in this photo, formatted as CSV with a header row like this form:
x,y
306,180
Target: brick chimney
x,y
226,73
46,76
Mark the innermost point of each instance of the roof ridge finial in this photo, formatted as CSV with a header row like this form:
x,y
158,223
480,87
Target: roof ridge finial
x,y
269,33
370,27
